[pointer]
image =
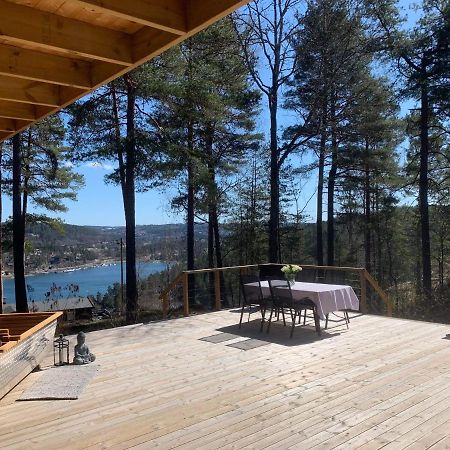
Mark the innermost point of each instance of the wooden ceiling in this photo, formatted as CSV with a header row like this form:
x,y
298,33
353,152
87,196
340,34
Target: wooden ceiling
x,y
53,52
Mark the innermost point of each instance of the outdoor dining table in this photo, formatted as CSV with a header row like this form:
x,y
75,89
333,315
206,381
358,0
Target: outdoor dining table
x,y
327,297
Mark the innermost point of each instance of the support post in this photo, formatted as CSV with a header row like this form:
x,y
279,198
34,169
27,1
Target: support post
x,y
362,277
217,290
186,294
165,306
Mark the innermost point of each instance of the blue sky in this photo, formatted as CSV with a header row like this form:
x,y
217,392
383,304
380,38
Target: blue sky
x,y
101,204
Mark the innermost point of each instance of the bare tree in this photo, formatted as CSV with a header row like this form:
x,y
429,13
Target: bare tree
x,y
266,31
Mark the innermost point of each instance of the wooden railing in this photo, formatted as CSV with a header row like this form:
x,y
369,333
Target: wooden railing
x,y
361,275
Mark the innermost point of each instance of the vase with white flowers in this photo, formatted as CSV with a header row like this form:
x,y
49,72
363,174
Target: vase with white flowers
x,y
290,270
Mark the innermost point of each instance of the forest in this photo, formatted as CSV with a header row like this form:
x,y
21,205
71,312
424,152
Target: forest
x,y
337,106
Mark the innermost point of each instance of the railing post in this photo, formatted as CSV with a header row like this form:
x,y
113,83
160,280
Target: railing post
x,y
363,281
165,306
389,309
217,290
186,294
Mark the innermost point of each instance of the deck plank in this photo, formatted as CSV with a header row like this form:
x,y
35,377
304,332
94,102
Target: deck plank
x,y
383,382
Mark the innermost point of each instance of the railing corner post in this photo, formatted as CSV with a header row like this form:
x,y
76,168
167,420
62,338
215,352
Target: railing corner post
x,y
363,281
165,306
186,294
217,295
389,308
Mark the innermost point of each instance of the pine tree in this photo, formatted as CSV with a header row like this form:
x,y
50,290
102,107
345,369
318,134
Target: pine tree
x,y
370,164
333,61
40,175
205,117
423,58
111,125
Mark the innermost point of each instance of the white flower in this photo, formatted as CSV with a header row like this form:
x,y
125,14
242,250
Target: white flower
x,y
291,269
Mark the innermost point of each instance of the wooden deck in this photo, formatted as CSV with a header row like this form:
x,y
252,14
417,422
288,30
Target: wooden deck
x,y
382,383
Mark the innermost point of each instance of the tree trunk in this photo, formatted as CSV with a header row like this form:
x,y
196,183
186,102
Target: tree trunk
x,y
319,221
330,195
219,259
441,259
423,186
378,243
130,207
252,245
190,214
274,221
117,140
211,188
353,254
18,230
367,214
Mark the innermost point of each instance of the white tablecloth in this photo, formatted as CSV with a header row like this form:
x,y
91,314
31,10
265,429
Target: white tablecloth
x,y
327,297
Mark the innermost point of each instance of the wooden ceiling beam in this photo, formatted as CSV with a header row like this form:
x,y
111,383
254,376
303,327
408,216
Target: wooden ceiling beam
x,y
16,62
11,125
13,110
23,24
27,91
201,14
77,57
148,43
7,124
165,15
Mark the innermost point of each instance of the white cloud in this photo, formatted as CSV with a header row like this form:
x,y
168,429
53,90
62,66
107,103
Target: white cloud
x,y
100,165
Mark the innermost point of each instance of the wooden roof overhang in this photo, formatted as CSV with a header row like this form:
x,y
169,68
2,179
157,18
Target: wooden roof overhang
x,y
52,52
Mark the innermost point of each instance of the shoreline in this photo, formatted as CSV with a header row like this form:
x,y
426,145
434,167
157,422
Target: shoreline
x,y
35,272
91,265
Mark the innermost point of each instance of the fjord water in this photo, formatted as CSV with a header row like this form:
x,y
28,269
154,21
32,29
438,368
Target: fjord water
x,y
90,280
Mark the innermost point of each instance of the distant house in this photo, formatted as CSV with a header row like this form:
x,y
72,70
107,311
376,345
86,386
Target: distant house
x,y
74,308
54,260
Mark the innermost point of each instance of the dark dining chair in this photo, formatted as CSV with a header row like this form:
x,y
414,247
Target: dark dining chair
x,y
278,305
282,298
253,298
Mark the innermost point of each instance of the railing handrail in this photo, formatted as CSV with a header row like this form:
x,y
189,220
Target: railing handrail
x,y
313,266
220,269
183,277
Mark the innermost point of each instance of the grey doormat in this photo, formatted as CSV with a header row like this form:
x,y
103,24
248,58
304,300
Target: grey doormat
x,y
248,344
60,383
217,338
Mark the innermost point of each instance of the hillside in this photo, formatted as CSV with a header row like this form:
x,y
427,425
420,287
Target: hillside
x,y
47,248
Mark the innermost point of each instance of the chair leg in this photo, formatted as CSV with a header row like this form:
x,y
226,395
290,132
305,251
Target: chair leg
x,y
304,317
263,315
270,319
326,321
284,318
347,320
242,314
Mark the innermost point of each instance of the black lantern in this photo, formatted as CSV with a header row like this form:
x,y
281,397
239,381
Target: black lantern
x,y
61,351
